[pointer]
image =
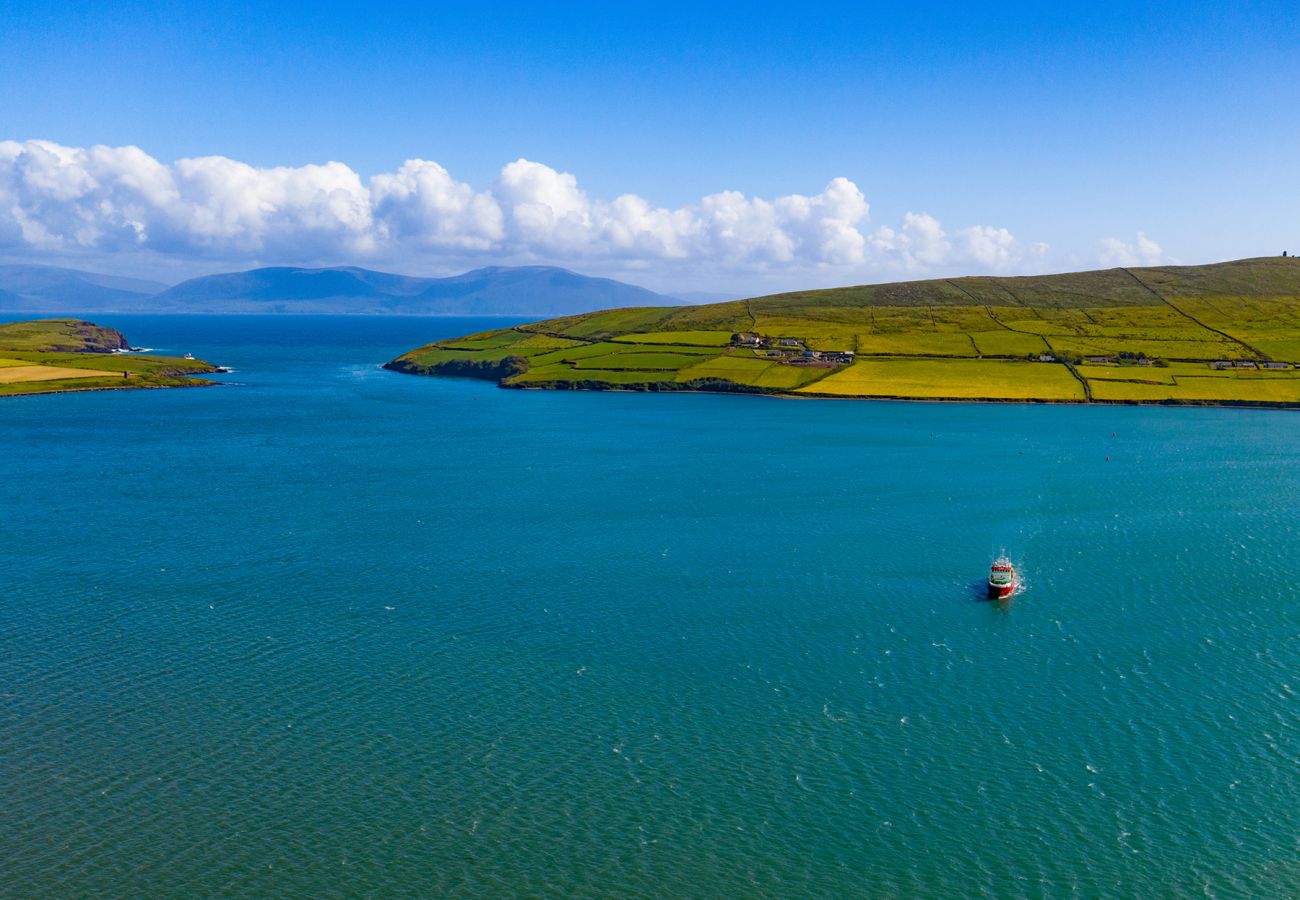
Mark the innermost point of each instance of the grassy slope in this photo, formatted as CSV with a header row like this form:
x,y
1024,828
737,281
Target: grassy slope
x,y
960,338
54,355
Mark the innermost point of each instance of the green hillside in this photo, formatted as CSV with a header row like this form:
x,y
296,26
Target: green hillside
x,y
56,355
1222,333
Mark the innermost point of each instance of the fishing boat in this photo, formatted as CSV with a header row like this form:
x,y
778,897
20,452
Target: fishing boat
x,y
1002,578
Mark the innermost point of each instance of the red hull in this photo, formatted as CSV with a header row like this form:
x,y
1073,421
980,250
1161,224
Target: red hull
x,y
1001,592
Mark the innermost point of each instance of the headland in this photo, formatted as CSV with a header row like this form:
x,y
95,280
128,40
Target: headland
x,y
1220,334
49,356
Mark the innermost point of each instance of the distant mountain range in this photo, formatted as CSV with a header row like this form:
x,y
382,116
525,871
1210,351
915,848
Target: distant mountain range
x,y
498,290
56,289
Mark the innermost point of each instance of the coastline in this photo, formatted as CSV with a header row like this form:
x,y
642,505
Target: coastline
x,y
1223,334
668,387
196,383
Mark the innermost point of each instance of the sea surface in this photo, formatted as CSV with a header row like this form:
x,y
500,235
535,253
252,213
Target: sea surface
x,y
329,630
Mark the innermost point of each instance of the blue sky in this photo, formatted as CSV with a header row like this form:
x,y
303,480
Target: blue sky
x,y
1070,126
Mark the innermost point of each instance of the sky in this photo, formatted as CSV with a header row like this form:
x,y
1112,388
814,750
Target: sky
x,y
733,149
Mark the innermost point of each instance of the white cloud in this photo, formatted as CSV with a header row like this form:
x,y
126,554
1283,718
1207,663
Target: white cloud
x,y
119,198
548,212
1142,252
423,204
919,243
110,200
997,249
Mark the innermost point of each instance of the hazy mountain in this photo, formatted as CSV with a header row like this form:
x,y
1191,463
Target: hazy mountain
x,y
55,289
523,290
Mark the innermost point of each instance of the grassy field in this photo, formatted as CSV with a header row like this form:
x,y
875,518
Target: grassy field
x,y
960,338
1192,382
692,338
12,374
752,371
952,379
54,355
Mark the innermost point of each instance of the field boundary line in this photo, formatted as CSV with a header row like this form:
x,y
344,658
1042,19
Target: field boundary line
x,y
1087,388
1258,353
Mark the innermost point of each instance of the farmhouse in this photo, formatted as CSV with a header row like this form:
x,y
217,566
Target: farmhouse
x,y
822,358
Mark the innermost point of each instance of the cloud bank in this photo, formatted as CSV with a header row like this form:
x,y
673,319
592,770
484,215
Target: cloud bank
x,y
1142,252
67,201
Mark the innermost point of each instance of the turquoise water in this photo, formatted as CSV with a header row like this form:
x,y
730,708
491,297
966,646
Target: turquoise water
x,y
333,631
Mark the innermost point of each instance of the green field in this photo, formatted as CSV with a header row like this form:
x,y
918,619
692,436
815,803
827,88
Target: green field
x,y
692,338
55,355
960,338
752,371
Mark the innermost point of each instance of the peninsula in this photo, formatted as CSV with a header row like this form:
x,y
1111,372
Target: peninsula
x,y
1221,334
56,355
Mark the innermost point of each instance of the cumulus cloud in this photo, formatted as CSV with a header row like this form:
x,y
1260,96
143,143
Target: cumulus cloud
x,y
56,199
120,198
921,244
421,203
1142,252
997,249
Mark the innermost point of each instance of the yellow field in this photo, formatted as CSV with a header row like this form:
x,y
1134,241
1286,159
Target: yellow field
x,y
11,374
917,344
1192,382
965,379
1095,346
1008,343
1154,374
1219,390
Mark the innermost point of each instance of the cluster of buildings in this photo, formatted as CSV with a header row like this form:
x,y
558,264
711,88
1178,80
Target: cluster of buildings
x,y
822,358
1247,364
791,350
794,352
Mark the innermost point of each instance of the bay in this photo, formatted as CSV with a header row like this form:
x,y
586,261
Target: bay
x,y
328,630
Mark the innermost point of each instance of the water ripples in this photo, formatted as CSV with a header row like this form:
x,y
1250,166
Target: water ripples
x,y
369,633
